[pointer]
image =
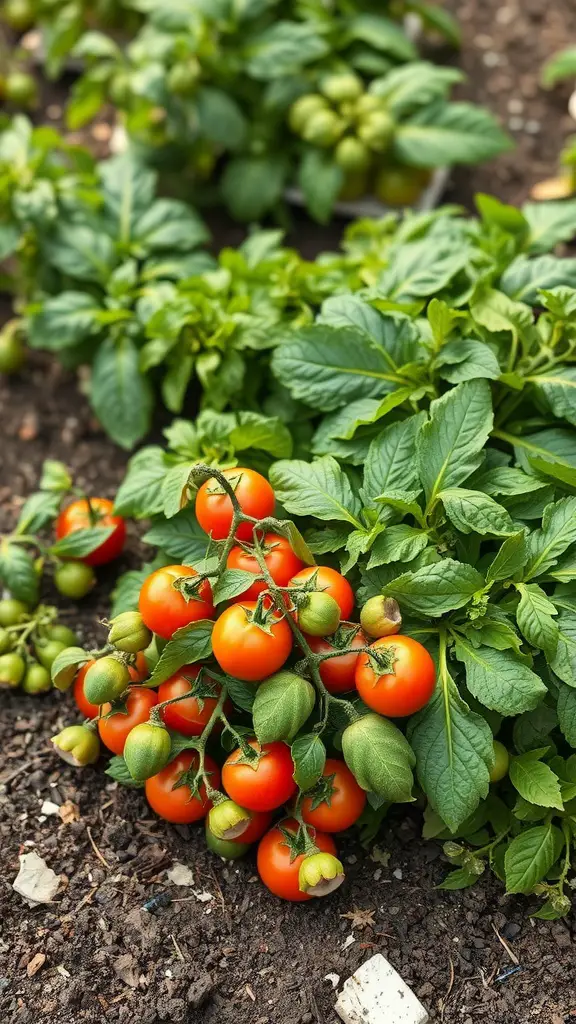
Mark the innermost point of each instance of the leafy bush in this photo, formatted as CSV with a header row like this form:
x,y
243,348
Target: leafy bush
x,y
219,88
444,476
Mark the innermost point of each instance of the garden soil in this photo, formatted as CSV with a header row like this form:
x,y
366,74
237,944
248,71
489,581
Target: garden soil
x,y
121,942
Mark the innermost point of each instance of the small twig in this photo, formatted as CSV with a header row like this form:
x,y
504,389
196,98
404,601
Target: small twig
x,y
446,997
100,856
511,954
6,779
179,952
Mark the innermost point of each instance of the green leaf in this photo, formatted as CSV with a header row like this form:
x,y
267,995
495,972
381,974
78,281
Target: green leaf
x,y
454,752
55,477
140,493
436,589
230,584
524,277
175,488
460,878
499,679
450,445
180,537
496,312
549,452
252,185
530,856
535,781
391,459
283,49
559,389
534,617
566,710
266,433
309,758
383,34
169,224
81,252
557,534
282,705
328,367
419,269
380,758
511,557
118,770
414,85
121,397
532,729
70,657
321,180
241,693
189,644
319,488
550,223
563,662
560,65
18,573
287,529
475,512
126,593
397,544
63,320
38,510
467,359
453,133
81,542
220,118
506,480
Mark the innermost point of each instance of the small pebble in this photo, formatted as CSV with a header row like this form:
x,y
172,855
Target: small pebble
x,y
516,124
492,60
533,127
515,106
398,874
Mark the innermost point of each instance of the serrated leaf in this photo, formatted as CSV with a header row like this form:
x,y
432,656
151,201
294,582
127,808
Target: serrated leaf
x,y
118,770
399,543
81,542
282,705
532,729
181,537
558,387
391,461
530,856
140,493
241,693
566,710
557,534
436,589
534,618
460,878
449,446
449,133
380,758
499,679
189,644
18,573
319,488
475,512
563,661
467,359
121,397
535,781
309,758
230,584
510,558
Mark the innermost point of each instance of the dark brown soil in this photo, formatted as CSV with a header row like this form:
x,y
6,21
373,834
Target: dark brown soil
x,y
242,957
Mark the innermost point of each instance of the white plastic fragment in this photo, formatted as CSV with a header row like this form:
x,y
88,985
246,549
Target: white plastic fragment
x,y
35,881
376,994
180,874
49,807
334,979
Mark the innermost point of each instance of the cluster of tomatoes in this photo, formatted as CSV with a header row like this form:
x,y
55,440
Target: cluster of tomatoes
x,y
252,638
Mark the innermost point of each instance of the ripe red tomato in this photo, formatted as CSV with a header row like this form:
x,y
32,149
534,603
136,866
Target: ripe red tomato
x,y
281,560
187,716
267,785
177,804
404,691
80,515
341,807
337,674
114,730
331,582
245,650
259,824
89,710
214,508
164,609
277,871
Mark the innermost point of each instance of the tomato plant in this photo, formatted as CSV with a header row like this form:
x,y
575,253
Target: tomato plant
x,y
337,800
171,793
214,506
165,608
250,642
87,513
282,562
114,725
263,782
279,868
329,581
404,690
189,716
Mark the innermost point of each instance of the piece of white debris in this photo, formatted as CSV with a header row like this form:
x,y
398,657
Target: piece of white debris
x,y
334,979
35,881
203,897
377,993
348,942
398,874
180,874
48,807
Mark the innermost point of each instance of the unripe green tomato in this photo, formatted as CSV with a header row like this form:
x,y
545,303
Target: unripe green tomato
x,y
355,187
128,633
74,579
401,186
37,679
12,352
147,750
377,130
18,14
352,155
105,681
62,633
341,87
367,104
303,109
501,762
12,669
12,612
380,616
120,89
225,848
183,77
21,89
6,641
320,874
47,651
320,615
323,129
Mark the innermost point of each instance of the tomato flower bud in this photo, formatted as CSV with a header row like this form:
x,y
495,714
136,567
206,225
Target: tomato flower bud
x,y
78,745
380,616
320,874
228,820
106,680
37,679
342,87
128,633
12,669
74,579
319,614
225,848
147,749
12,612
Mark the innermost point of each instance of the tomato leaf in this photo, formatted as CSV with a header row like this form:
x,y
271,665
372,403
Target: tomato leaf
x,y
80,543
231,583
380,758
436,589
190,644
499,679
282,705
309,758
118,770
535,781
18,573
530,856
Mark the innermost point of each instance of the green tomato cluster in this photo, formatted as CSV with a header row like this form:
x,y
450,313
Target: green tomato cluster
x,y
343,117
29,644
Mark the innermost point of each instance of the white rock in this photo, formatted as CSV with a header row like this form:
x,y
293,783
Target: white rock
x,y
180,874
48,807
35,881
376,994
